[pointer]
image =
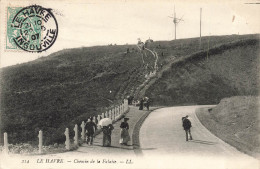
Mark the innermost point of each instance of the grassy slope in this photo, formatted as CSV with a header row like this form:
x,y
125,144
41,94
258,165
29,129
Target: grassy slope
x,y
230,70
52,92
235,120
57,91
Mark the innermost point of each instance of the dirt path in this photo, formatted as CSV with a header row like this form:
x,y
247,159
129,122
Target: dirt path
x,y
150,74
162,134
154,53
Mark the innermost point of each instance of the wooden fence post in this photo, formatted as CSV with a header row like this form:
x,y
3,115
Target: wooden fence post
x,y
40,142
76,140
67,142
103,115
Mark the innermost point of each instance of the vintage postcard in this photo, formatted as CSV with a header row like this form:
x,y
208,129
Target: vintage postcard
x,y
129,84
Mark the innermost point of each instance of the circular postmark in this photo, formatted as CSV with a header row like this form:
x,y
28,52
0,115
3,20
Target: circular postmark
x,y
36,28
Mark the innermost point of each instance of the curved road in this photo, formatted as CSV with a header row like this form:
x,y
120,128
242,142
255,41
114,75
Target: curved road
x,y
162,138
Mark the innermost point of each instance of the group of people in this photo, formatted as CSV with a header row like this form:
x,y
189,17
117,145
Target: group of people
x,y
144,102
124,134
91,127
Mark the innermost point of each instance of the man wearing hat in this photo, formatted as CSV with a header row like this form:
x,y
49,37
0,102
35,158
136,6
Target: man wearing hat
x,y
90,130
186,126
125,137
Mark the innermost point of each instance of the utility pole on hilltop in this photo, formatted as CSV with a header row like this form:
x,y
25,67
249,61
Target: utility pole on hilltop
x,y
200,26
175,21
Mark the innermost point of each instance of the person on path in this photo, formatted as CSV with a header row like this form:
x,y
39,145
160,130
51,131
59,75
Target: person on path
x,y
90,130
125,137
147,102
186,126
107,131
141,104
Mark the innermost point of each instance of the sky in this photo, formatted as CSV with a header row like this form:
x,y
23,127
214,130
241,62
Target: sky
x,y
90,23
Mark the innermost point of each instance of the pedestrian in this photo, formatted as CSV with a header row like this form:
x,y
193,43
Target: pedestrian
x,y
90,130
186,126
107,131
147,103
125,137
141,106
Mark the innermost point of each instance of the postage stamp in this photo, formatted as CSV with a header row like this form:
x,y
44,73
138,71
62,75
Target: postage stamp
x,y
32,28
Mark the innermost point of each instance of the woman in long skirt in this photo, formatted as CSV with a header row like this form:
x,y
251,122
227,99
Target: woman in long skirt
x,y
125,137
107,131
141,106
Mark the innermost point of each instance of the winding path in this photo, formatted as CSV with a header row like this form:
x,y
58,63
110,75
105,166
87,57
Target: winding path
x,y
162,137
162,145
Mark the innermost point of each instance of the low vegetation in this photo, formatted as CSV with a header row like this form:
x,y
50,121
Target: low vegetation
x,y
236,121
206,77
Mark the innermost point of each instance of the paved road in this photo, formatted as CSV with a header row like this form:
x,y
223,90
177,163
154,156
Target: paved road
x,y
162,143
163,138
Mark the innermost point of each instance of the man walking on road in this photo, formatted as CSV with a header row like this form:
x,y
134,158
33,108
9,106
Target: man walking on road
x,y
187,125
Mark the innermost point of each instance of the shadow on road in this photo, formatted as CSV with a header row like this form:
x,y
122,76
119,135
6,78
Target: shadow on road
x,y
203,142
148,148
122,147
125,147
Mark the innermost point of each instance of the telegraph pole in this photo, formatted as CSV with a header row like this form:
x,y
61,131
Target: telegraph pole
x,y
200,26
175,22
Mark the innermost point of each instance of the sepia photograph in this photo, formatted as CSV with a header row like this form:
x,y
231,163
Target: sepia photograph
x,y
129,84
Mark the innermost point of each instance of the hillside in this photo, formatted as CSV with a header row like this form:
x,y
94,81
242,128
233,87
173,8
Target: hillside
x,y
235,120
57,91
206,77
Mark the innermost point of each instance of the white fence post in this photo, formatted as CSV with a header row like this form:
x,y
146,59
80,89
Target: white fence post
x,y
82,131
110,114
40,141
6,142
94,119
126,104
67,142
106,114
113,114
76,141
103,115
98,119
